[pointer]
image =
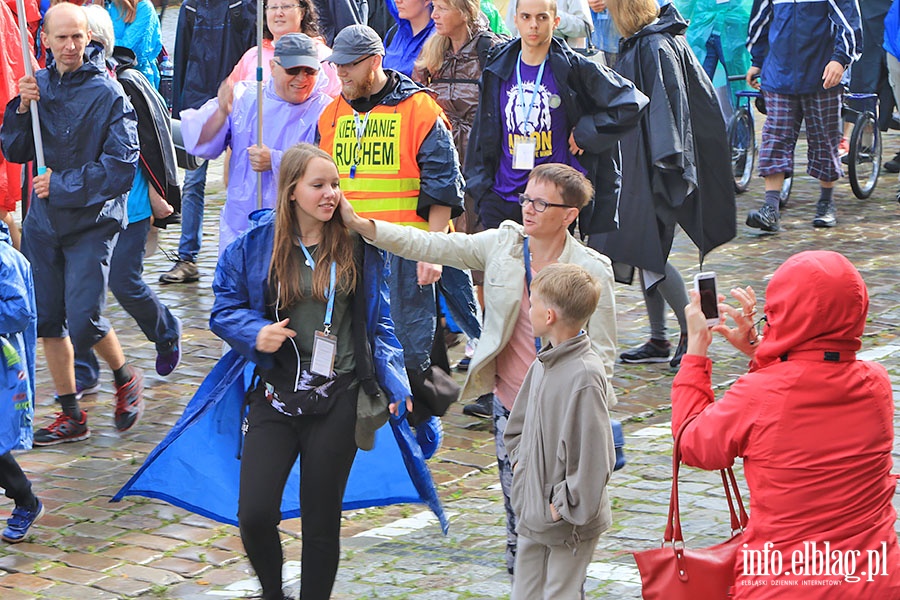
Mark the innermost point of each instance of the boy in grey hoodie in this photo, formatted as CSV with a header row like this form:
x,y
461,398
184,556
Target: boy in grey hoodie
x,y
560,442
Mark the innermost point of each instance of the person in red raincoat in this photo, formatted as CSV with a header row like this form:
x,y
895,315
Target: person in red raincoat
x,y
814,427
12,68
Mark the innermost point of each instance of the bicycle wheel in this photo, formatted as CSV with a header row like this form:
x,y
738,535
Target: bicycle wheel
x,y
864,158
743,148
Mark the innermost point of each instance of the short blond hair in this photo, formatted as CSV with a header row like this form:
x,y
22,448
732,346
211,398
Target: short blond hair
x,y
570,290
630,16
574,188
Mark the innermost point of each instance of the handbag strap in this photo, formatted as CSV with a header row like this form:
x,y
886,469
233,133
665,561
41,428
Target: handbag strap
x,y
739,519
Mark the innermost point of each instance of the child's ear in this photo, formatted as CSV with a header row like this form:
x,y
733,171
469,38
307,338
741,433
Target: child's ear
x,y
552,317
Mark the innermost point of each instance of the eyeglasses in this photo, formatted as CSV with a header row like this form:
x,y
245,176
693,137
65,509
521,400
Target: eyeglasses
x,y
294,71
538,204
282,7
353,64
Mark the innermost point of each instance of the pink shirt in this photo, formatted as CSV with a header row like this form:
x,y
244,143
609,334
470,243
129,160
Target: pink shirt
x,y
516,357
245,69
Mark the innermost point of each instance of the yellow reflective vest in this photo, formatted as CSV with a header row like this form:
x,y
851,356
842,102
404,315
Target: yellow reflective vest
x,y
376,155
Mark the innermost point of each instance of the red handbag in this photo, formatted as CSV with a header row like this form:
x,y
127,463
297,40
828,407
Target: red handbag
x,y
674,572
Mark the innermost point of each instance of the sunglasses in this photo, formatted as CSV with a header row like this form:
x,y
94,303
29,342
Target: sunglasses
x,y
294,71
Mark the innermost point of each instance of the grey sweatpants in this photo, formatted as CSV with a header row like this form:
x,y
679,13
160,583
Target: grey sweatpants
x,y
551,572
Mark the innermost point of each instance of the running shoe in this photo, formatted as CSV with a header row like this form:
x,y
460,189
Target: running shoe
x,y
130,401
64,429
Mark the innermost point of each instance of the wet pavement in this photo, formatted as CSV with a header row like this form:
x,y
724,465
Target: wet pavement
x,y
85,547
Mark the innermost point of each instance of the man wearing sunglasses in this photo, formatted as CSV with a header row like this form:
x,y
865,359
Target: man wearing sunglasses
x,y
290,109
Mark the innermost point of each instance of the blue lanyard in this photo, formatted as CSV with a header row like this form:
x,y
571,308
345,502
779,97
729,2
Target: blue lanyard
x,y
330,292
534,91
360,132
527,257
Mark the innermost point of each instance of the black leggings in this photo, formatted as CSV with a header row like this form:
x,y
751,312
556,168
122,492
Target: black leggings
x,y
15,483
327,447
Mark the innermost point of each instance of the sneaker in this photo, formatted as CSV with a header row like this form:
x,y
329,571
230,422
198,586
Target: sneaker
x,y
463,364
843,147
167,361
86,390
680,349
893,165
766,218
130,401
826,215
64,429
651,352
20,522
482,407
184,271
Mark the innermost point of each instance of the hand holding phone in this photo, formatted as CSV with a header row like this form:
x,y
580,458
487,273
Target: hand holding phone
x,y
705,286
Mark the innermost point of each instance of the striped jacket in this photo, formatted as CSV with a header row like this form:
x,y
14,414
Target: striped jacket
x,y
793,40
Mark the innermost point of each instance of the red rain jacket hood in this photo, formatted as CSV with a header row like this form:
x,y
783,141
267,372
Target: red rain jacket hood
x,y
816,301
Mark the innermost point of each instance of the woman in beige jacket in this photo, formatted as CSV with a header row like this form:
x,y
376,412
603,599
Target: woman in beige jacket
x,y
553,197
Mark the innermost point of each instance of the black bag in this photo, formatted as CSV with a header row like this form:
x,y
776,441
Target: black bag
x,y
433,391
315,395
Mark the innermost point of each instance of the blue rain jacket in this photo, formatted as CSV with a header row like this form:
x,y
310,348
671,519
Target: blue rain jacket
x,y
207,483
89,131
18,338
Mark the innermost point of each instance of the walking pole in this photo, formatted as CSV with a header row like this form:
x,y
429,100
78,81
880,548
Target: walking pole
x,y
35,120
260,9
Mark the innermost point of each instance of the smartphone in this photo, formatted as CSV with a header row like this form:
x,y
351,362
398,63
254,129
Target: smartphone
x,y
705,285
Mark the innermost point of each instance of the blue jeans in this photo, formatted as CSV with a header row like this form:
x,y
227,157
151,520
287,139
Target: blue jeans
x,y
413,310
192,213
714,55
127,285
456,288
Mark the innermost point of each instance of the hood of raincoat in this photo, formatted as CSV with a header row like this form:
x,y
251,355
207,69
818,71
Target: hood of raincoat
x,y
817,301
670,21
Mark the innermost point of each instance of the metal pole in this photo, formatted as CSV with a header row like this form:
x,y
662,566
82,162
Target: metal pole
x,y
35,120
260,10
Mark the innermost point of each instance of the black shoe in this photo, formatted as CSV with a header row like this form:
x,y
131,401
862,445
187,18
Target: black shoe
x,y
825,214
675,363
893,165
482,407
654,351
766,218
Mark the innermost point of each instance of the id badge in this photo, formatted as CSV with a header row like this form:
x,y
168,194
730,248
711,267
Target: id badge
x,y
323,353
523,154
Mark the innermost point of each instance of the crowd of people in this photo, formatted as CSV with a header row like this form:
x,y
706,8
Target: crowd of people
x,y
398,169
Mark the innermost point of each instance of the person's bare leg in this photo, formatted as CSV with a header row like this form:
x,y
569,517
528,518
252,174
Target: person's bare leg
x,y
774,182
110,350
61,362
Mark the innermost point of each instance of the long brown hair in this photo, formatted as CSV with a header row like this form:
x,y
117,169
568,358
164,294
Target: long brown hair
x,y
127,10
630,16
336,244
432,55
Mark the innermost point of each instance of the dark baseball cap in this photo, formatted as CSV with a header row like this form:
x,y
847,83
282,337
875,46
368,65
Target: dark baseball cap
x,y
355,42
296,50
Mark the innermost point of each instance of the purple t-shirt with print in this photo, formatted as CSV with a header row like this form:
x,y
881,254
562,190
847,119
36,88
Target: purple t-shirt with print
x,y
548,125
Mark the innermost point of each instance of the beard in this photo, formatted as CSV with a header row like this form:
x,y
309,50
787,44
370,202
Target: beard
x,y
363,89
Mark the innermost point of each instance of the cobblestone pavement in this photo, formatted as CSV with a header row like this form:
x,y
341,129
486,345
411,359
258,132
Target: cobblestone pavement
x,y
85,547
